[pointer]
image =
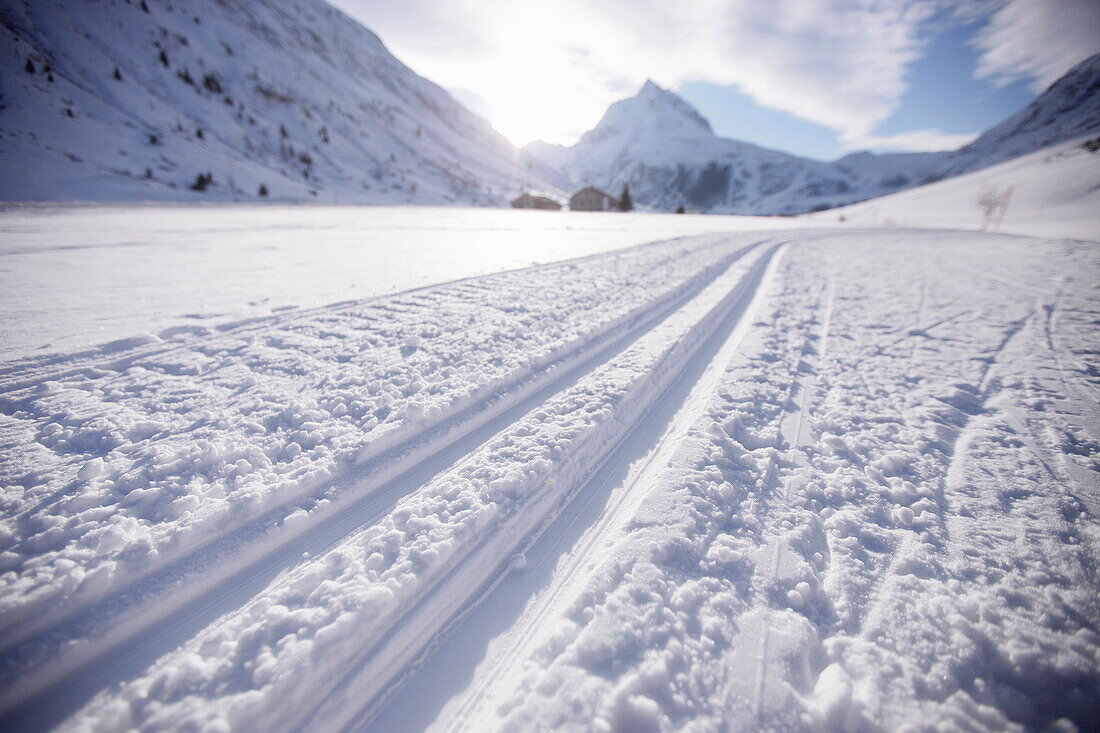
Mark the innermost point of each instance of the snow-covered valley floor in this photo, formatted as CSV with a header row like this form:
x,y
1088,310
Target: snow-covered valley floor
x,y
79,276
791,479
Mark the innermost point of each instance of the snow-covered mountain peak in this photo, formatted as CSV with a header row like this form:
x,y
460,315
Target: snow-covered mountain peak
x,y
667,153
653,112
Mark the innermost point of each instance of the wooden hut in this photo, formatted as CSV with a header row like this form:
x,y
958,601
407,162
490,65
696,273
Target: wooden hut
x,y
593,199
534,201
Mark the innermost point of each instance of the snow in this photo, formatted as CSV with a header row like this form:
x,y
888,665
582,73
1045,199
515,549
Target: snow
x,y
366,468
768,581
669,156
1053,192
167,272
129,102
1069,108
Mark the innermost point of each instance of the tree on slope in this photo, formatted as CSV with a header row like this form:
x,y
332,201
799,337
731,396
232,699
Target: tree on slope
x,y
625,202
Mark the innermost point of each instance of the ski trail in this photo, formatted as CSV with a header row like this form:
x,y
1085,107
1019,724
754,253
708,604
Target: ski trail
x,y
564,581
806,386
877,605
194,591
382,461
767,632
403,702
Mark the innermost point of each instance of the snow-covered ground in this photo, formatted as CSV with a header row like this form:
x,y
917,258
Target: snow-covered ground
x,y
74,276
1054,192
766,476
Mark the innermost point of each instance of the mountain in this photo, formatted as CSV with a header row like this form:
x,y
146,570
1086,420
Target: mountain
x,y
1069,108
141,99
669,156
667,153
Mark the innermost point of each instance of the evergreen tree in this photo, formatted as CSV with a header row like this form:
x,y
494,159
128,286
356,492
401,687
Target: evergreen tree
x,y
625,202
202,182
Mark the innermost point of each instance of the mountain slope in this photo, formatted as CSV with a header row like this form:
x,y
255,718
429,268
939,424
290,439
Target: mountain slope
x,y
1069,108
1053,193
118,100
669,156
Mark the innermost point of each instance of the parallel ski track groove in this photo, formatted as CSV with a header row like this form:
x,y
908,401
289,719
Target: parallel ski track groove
x,y
805,385
195,593
627,501
634,324
809,384
368,711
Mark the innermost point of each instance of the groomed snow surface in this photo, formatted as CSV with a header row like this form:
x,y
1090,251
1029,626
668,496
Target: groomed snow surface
x,y
843,479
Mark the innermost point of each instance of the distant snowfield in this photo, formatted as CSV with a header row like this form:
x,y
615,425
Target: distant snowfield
x,y
72,277
759,477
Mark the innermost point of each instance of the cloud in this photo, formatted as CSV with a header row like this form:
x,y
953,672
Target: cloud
x,y
928,141
838,63
549,70
1037,40
556,66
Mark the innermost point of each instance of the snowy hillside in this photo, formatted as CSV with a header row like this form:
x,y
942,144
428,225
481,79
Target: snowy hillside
x,y
667,153
1069,108
124,100
1053,192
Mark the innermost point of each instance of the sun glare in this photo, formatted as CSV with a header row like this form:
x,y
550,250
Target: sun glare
x,y
523,110
533,71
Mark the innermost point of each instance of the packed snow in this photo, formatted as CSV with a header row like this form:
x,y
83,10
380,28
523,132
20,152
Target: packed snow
x,y
885,516
346,468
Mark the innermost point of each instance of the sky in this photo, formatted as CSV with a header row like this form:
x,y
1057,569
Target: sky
x,y
817,78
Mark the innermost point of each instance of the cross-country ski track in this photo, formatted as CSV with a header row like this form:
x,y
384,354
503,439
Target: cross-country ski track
x,y
807,479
